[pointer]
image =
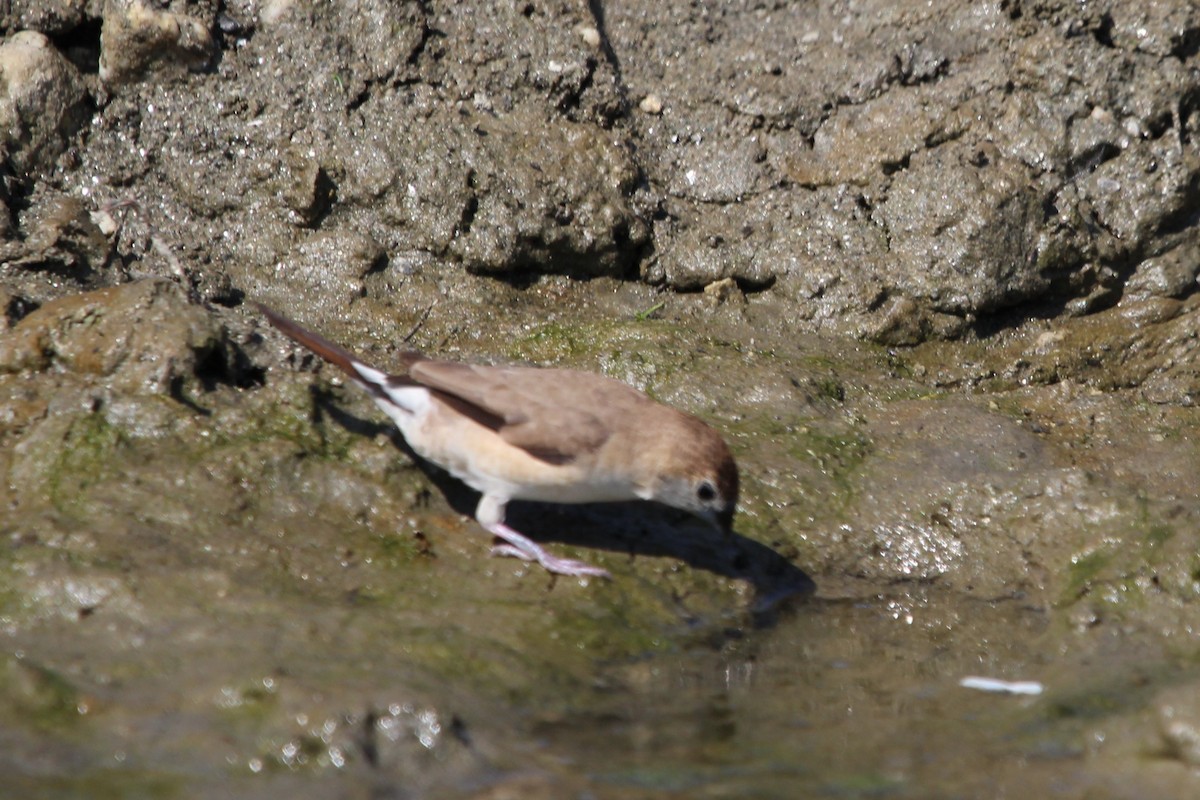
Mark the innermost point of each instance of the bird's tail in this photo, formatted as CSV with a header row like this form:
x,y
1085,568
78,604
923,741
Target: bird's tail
x,y
371,379
338,356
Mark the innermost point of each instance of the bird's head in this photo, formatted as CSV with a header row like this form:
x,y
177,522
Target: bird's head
x,y
701,477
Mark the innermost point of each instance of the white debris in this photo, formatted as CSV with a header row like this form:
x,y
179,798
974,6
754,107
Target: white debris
x,y
1003,687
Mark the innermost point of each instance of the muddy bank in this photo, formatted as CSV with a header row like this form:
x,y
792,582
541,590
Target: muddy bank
x,y
931,271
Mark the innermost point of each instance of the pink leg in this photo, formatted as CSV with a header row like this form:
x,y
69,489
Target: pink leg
x,y
524,548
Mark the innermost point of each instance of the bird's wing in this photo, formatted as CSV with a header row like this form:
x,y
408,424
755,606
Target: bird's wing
x,y
537,410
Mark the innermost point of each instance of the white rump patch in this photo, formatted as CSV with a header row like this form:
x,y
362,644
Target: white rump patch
x,y
401,403
370,374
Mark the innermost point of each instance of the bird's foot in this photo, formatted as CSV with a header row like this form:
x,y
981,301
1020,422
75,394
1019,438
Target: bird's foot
x,y
519,546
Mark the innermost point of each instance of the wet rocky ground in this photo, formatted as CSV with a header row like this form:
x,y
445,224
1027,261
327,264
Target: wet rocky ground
x,y
931,269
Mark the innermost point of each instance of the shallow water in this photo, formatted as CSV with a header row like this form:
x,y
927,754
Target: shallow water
x,y
862,698
848,694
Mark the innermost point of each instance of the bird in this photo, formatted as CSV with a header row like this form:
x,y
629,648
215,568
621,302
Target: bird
x,y
543,434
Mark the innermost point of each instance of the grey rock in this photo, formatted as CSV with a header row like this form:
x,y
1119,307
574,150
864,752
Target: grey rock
x,y
138,39
90,334
43,103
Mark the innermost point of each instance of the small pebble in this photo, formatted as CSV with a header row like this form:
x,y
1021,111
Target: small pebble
x,y
721,290
651,104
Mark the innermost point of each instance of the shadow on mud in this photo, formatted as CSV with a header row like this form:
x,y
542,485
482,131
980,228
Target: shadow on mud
x,y
634,528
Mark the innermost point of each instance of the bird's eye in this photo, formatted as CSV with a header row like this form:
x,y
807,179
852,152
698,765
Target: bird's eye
x,y
706,491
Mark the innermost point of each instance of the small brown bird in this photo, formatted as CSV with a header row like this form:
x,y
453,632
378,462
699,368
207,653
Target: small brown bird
x,y
552,435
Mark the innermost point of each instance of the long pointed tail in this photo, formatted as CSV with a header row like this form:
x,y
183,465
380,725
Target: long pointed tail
x,y
379,384
365,376
334,354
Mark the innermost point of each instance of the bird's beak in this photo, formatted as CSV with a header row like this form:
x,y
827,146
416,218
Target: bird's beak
x,y
725,522
721,520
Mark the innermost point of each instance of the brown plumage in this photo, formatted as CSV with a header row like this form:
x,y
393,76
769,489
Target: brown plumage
x,y
553,435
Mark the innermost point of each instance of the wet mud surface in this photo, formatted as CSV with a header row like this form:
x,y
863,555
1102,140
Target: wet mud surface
x,y
931,270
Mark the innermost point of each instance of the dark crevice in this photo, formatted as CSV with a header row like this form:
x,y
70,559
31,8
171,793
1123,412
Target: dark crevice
x,y
359,100
379,264
1189,115
471,208
748,286
1187,44
597,10
589,79
212,368
899,165
218,364
369,744
876,302
1003,319
1103,32
431,38
1158,125
245,373
1087,161
623,243
177,393
1049,207
1101,289
941,137
1012,8
525,278
81,46
17,309
227,297
459,730
572,100
1186,216
15,192
426,34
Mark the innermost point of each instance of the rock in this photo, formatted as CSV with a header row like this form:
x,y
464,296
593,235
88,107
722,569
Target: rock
x,y
144,337
61,237
43,103
1179,723
1026,157
963,229
51,17
860,143
715,173
1172,274
332,264
651,104
13,306
515,192
306,186
136,40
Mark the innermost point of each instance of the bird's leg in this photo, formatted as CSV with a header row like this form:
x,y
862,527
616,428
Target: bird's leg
x,y
524,548
490,514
